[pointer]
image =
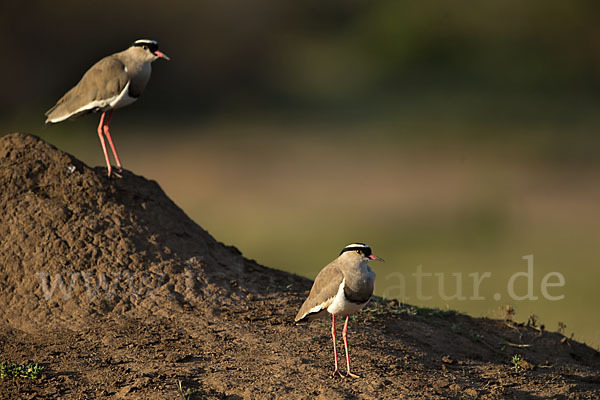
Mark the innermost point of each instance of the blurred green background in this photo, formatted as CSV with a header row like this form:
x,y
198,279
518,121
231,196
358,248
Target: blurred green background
x,y
456,136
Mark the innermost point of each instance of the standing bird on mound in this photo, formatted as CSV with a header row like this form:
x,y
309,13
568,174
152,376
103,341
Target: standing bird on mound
x,y
343,287
113,82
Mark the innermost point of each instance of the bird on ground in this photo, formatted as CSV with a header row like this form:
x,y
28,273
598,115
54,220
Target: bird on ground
x,y
343,287
113,82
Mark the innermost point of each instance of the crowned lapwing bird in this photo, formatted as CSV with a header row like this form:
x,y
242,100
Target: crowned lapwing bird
x,y
343,287
113,82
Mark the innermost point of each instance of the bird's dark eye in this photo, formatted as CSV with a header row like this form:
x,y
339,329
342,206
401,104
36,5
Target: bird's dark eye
x,y
359,251
144,47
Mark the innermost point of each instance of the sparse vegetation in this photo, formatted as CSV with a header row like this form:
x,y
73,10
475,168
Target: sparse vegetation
x,y
455,328
532,320
16,371
508,312
383,306
520,364
516,362
380,306
426,312
186,393
272,287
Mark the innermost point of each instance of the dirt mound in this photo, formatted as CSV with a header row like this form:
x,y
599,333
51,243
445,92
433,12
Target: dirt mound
x,y
77,244
118,294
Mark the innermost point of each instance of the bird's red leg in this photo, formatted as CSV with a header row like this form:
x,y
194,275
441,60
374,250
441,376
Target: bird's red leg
x,y
337,371
346,348
107,133
100,126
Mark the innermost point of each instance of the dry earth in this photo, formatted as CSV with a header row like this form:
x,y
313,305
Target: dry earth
x,y
118,294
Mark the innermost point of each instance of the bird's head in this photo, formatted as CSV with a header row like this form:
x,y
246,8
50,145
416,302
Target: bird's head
x,y
361,251
148,50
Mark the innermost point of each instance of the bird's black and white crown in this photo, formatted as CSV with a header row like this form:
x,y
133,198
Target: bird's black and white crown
x,y
357,246
152,44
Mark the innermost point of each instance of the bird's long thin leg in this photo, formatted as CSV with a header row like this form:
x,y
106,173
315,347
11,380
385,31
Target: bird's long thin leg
x,y
336,371
100,127
107,133
346,348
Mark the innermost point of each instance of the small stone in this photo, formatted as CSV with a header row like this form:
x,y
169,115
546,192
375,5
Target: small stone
x,y
448,360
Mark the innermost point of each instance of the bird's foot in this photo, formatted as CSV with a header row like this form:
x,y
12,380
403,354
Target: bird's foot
x,y
337,372
115,174
352,375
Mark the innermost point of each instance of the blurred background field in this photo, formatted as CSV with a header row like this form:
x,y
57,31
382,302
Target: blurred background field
x,y
456,136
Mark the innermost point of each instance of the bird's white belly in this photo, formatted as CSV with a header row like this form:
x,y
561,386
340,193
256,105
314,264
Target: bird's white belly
x,y
341,306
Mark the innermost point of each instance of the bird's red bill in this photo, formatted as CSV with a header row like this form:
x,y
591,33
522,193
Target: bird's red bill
x,y
160,54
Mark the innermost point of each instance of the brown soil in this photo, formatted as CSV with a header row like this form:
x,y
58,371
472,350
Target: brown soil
x,y
143,298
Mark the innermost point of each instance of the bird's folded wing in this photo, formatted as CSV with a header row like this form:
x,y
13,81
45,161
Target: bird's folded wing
x,y
325,287
98,86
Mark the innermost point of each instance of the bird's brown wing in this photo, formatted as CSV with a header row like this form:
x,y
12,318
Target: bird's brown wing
x,y
324,289
105,80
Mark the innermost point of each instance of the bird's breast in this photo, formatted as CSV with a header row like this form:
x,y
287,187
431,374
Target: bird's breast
x,y
343,305
139,75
